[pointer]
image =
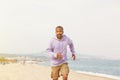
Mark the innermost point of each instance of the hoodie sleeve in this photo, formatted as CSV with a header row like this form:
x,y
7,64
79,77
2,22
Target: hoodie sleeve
x,y
50,50
71,46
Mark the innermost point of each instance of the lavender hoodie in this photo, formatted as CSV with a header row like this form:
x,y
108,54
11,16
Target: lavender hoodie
x,y
59,46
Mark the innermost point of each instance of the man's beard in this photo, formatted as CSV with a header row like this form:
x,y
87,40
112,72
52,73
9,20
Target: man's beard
x,y
59,36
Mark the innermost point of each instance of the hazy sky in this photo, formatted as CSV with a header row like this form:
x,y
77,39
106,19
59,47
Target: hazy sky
x,y
26,26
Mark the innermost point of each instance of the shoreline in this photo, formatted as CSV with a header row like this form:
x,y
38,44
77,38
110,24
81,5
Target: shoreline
x,y
18,71
99,74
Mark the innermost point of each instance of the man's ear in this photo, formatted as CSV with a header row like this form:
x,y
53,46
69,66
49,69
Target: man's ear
x,y
55,32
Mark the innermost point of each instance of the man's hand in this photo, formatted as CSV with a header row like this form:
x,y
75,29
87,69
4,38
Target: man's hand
x,y
59,56
73,56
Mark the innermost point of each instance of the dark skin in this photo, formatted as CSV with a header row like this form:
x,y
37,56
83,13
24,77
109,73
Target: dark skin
x,y
59,35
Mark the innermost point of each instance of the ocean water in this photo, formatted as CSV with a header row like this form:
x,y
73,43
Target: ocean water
x,y
91,65
101,66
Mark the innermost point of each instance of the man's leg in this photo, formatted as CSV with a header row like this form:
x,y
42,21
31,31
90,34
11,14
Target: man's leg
x,y
64,71
55,79
65,77
55,72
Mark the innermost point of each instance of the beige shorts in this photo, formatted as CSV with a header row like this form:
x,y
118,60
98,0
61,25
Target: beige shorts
x,y
62,69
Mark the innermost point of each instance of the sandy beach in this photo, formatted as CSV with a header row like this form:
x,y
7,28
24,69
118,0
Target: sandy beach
x,y
19,71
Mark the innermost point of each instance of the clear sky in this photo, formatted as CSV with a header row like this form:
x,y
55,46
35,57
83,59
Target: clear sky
x,y
26,26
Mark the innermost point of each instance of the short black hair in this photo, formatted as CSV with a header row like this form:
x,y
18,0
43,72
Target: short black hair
x,y
59,27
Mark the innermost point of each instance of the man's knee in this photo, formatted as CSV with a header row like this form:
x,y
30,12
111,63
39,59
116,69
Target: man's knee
x,y
65,77
55,79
